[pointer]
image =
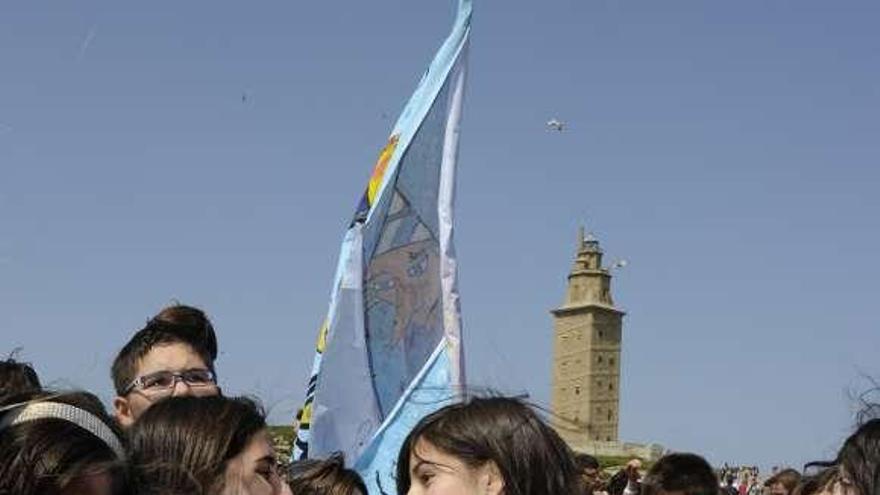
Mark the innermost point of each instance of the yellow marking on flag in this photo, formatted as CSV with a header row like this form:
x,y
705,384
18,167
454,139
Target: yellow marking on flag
x,y
379,169
322,337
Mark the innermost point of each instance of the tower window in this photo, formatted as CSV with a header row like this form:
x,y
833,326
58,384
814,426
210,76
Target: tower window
x,y
599,359
577,391
611,361
609,415
610,386
601,334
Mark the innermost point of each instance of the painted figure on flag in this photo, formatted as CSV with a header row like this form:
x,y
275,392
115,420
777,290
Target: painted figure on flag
x,y
403,308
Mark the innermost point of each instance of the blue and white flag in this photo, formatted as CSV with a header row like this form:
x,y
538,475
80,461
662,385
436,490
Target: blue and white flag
x,y
390,349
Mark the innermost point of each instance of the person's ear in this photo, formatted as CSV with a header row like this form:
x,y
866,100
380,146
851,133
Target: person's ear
x,y
122,412
491,480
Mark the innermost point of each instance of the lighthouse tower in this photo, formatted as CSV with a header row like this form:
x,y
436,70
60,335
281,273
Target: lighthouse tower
x,y
586,354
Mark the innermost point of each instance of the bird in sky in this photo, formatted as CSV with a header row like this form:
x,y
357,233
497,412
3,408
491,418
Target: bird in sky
x,y
555,125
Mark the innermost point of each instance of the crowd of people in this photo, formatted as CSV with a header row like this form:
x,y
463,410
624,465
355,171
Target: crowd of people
x,y
171,431
742,479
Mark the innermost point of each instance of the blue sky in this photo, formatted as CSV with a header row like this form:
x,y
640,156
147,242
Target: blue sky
x,y
728,150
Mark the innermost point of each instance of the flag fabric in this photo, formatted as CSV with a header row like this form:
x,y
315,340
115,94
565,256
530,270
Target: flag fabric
x,y
389,350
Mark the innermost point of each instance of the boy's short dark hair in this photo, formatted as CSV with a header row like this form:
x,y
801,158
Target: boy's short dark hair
x,y
174,324
17,378
325,477
199,326
686,473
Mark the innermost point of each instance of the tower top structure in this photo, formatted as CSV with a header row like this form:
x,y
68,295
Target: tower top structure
x,y
589,283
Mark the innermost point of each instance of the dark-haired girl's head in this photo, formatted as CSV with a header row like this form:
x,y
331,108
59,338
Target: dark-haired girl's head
x,y
60,444
485,445
325,477
17,378
203,445
858,460
680,473
824,482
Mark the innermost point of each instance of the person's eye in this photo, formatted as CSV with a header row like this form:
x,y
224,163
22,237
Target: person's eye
x,y
160,380
426,477
266,471
198,376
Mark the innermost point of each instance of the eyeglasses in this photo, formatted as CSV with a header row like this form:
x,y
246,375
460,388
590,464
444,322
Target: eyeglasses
x,y
164,381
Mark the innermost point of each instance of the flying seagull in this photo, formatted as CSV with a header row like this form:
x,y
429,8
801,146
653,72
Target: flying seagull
x,y
555,125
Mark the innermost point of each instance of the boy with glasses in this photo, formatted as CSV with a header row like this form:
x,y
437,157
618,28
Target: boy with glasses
x,y
173,355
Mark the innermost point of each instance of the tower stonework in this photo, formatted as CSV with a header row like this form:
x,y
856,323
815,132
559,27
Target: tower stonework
x,y
586,354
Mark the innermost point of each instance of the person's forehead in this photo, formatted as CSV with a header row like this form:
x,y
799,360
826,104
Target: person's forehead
x,y
425,452
173,356
259,446
94,484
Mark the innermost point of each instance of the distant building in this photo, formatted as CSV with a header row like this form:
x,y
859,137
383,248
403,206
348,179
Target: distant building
x,y
586,361
586,356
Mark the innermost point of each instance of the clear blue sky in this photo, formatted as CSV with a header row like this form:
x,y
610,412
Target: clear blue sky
x,y
728,150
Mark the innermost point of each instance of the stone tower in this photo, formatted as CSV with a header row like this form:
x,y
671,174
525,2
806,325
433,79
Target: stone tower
x,y
586,354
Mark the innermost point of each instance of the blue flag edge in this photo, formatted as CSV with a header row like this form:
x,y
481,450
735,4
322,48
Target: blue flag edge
x,y
429,392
